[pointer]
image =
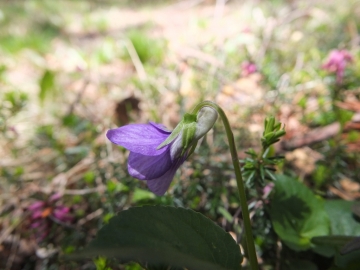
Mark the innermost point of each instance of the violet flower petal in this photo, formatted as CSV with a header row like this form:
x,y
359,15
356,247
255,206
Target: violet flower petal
x,y
160,185
144,167
139,138
160,127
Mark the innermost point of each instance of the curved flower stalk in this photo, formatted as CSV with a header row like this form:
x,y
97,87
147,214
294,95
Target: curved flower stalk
x,y
156,153
239,181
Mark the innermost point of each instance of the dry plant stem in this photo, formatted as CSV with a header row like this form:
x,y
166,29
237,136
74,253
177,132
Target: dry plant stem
x,y
278,254
136,60
239,181
11,258
89,217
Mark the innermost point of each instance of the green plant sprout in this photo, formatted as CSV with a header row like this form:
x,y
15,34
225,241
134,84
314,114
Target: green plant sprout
x,y
260,166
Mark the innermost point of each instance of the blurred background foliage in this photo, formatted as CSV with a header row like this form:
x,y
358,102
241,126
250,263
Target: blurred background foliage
x,y
70,70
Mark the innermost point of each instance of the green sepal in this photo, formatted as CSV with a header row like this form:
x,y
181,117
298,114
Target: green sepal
x,y
172,136
188,128
188,131
191,151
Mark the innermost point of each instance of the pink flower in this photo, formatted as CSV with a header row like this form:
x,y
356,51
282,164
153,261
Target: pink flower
x,y
248,68
36,206
336,63
44,213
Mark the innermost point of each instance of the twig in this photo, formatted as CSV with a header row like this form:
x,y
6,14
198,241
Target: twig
x,y
313,136
183,5
8,231
344,195
84,191
219,9
202,56
292,16
78,97
89,217
278,254
63,179
14,246
267,35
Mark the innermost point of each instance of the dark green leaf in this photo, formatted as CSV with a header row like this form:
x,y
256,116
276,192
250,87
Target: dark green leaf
x,y
332,240
349,261
164,236
355,208
297,214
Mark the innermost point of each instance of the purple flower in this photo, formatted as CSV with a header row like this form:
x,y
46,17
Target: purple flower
x,y
155,152
336,63
145,162
248,68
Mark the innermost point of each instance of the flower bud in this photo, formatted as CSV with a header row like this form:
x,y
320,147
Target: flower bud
x,y
206,119
192,130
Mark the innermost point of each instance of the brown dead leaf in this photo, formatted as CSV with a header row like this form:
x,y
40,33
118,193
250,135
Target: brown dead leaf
x,y
233,235
348,196
349,105
126,109
349,186
304,160
17,249
245,91
340,193
352,126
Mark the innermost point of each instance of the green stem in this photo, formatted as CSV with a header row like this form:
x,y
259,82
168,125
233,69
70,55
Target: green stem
x,y
239,181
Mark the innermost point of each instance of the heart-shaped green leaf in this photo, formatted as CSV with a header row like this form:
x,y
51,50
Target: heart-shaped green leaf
x,y
165,236
342,220
344,229
297,214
